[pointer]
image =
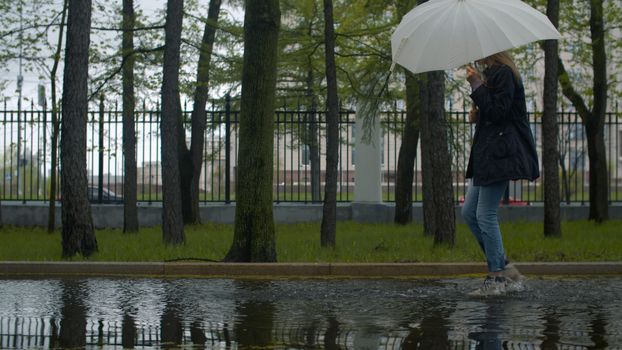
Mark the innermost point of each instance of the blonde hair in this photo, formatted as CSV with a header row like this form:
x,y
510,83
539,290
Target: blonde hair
x,y
502,58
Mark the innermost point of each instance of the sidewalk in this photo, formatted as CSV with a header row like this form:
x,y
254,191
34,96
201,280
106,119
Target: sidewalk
x,y
290,270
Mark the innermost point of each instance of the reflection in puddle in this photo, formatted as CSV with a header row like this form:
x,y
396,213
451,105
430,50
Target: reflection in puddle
x,y
331,314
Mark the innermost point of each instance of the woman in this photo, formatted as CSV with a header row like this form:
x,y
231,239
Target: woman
x,y
503,149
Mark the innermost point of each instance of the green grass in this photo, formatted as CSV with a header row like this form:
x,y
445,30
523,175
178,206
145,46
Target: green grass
x,y
356,242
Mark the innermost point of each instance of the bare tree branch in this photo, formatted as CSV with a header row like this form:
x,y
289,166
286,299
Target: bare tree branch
x,y
570,93
109,29
24,29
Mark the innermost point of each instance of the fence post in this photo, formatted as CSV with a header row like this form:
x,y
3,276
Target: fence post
x,y
227,149
100,180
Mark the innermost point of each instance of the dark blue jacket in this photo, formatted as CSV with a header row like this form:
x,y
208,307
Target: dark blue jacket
x,y
503,145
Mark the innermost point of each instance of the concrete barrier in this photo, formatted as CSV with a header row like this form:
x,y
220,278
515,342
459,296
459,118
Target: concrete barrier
x,y
111,216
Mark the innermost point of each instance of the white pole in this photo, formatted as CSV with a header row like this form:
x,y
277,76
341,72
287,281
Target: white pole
x,y
367,161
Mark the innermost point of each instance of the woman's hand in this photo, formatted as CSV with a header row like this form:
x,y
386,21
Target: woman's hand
x,y
473,115
473,76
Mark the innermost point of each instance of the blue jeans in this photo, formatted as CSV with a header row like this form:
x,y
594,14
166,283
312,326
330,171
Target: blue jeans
x,y
480,213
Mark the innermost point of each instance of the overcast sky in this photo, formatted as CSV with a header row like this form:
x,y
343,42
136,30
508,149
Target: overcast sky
x,y
32,79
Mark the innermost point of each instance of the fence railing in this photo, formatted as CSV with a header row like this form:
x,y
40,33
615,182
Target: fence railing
x,y
299,156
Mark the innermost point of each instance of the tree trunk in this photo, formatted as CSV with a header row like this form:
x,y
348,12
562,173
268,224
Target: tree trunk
x,y
73,322
53,161
408,153
427,166
192,162
410,138
129,334
551,327
172,326
594,121
130,212
254,328
78,236
438,203
197,334
550,131
432,332
331,336
429,216
254,238
329,213
172,220
599,181
444,207
55,125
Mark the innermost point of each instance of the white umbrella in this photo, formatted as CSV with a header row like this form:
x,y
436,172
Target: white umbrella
x,y
445,34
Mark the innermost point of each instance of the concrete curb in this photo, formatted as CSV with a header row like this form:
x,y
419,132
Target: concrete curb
x,y
291,270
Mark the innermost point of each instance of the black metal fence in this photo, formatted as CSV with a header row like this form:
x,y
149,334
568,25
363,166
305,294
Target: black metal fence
x,y
299,152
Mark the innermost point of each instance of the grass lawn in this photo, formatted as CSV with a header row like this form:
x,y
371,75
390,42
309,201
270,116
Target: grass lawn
x,y
581,241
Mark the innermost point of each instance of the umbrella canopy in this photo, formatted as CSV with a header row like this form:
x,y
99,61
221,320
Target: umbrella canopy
x,y
445,34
